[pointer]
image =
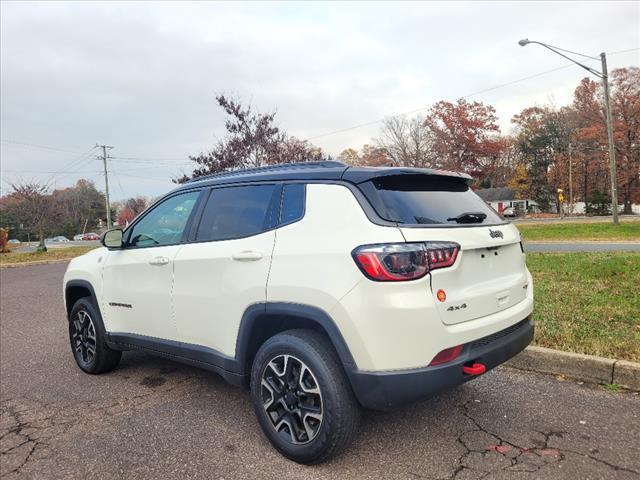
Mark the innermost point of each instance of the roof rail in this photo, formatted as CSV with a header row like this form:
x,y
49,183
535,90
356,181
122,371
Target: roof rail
x,y
267,168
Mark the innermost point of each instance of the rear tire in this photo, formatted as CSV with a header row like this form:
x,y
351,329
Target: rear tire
x,y
87,338
302,398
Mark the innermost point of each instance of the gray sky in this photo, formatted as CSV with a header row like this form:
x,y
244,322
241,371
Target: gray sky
x,y
142,77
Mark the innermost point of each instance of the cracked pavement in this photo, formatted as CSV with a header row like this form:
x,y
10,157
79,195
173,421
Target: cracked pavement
x,y
152,418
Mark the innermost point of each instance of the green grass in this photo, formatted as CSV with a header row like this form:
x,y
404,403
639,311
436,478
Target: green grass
x,y
51,254
626,231
612,387
588,302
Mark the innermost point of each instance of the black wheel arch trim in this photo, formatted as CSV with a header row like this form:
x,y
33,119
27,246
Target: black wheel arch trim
x,y
79,283
88,286
263,311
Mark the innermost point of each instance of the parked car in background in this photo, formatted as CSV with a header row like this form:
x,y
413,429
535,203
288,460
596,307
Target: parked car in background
x,y
78,237
509,212
14,241
59,239
91,236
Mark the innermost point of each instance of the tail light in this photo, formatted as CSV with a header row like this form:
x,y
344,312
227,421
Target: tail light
x,y
394,262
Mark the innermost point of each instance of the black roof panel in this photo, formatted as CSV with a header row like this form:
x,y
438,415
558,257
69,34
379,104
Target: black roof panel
x,y
327,170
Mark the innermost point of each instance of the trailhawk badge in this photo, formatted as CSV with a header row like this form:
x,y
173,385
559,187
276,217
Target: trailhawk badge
x,y
495,234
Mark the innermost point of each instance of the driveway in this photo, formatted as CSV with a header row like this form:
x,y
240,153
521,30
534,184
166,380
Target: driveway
x,y
153,419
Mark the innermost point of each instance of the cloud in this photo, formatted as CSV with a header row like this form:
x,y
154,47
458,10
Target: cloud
x,y
143,76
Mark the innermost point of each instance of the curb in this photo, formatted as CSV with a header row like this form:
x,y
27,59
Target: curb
x,y
38,262
586,368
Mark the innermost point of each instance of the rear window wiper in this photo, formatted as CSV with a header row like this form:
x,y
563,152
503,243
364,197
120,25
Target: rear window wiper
x,y
469,217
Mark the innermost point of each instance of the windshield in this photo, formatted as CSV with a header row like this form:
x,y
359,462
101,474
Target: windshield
x,y
428,200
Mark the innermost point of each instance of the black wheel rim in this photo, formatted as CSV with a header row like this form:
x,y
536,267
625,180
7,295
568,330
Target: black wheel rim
x,y
292,399
83,337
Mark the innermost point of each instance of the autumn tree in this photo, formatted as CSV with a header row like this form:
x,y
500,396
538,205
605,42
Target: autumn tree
x,y
521,182
79,207
31,205
589,140
541,136
252,140
130,209
626,118
406,142
466,136
368,156
373,156
349,156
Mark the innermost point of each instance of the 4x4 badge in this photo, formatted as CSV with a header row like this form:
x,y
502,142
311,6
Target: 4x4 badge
x,y
456,307
495,234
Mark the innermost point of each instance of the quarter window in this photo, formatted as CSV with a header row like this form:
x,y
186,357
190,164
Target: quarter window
x,y
236,212
164,224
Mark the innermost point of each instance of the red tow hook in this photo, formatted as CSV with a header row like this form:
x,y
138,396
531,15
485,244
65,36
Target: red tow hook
x,y
475,369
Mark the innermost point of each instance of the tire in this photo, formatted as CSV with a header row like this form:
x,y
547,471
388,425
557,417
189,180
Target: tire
x,y
87,339
318,417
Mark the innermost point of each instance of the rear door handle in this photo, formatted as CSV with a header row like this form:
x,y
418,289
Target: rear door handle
x,y
247,256
159,261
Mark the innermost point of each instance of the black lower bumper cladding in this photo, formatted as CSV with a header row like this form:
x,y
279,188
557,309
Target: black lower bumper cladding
x,y
386,390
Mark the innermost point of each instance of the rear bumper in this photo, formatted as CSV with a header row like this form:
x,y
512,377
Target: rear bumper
x,y
385,390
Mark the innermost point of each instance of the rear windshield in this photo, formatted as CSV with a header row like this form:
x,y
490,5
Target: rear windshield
x,y
428,200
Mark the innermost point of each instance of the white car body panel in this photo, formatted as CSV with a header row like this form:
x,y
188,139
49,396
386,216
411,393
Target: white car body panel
x,y
212,289
129,278
312,264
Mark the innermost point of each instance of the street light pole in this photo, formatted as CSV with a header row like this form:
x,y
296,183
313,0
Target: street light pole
x,y
612,149
604,76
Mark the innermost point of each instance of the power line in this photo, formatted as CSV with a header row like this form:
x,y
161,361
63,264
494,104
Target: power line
x,y
575,53
44,172
34,145
152,159
409,112
75,163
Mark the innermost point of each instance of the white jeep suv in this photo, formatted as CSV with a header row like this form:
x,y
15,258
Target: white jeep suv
x,y
323,287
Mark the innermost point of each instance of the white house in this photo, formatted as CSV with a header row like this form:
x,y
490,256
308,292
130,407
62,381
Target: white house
x,y
504,197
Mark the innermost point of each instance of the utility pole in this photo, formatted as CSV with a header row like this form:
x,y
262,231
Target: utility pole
x,y
106,181
612,150
570,184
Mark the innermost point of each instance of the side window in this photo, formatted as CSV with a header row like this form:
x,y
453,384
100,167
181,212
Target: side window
x,y
165,223
292,203
236,212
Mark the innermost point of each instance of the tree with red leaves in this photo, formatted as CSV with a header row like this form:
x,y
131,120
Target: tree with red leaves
x,y
626,119
252,140
466,136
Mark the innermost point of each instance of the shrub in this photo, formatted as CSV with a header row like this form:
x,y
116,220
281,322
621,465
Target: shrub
x,y
598,203
4,239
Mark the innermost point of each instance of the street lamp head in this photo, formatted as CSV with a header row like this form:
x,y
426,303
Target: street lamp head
x,y
524,42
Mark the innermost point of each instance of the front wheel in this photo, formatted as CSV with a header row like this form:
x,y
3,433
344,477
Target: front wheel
x,y
302,398
86,336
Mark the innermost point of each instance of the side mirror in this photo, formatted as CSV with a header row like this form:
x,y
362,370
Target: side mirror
x,y
112,238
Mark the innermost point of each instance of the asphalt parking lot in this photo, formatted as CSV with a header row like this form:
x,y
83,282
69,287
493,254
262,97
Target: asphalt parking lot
x,y
155,419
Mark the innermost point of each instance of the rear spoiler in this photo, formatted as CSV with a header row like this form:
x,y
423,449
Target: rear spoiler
x,y
359,175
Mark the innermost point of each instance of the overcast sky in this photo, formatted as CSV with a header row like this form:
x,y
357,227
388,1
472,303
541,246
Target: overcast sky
x,y
143,76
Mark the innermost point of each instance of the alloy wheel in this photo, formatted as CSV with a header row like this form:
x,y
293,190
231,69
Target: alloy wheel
x,y
83,336
292,399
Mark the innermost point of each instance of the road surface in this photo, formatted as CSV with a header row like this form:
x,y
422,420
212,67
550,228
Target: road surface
x,y
582,246
155,419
